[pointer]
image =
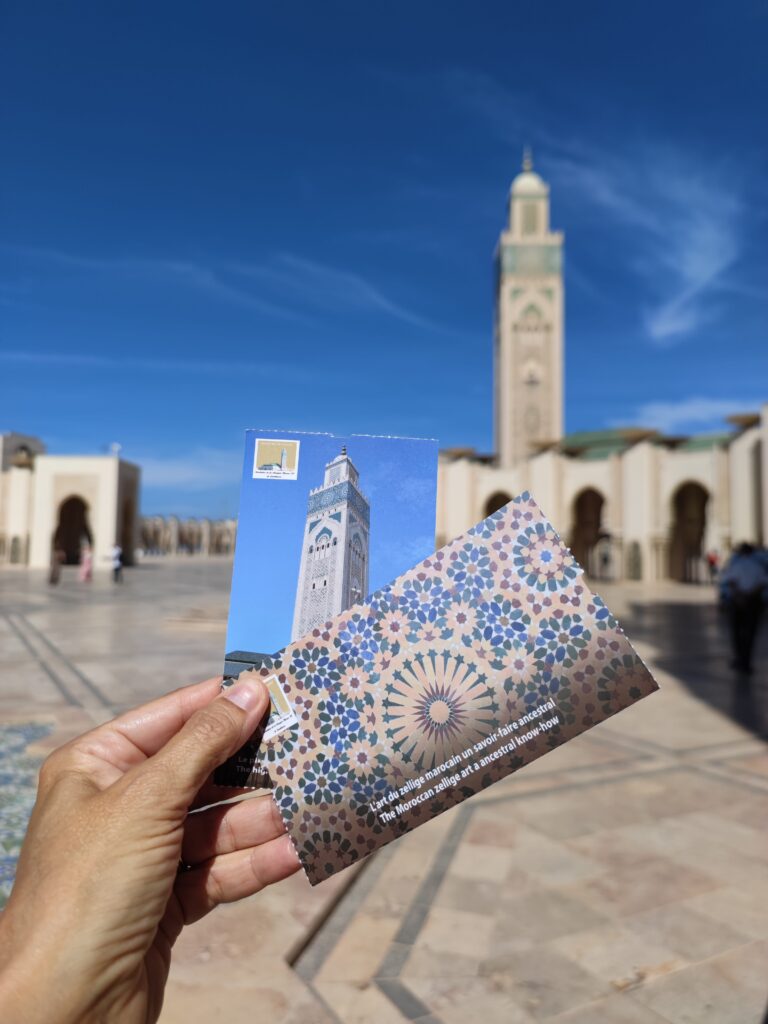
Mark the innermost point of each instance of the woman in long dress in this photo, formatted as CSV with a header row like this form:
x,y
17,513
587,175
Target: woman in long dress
x,y
86,564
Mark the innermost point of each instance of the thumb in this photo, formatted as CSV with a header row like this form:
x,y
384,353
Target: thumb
x,y
209,737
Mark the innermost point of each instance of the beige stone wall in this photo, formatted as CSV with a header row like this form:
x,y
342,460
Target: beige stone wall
x,y
92,478
746,457
638,489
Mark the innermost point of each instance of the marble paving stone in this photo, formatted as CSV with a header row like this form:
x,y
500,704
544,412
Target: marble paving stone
x,y
627,889
489,827
548,914
685,843
360,949
428,963
457,931
616,1009
661,795
749,810
228,1005
612,848
474,895
618,955
620,1009
737,836
728,989
686,932
678,724
491,862
355,1005
549,861
743,910
756,764
530,976
459,1001
560,817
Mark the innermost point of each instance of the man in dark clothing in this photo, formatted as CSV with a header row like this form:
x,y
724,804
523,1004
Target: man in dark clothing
x,y
744,583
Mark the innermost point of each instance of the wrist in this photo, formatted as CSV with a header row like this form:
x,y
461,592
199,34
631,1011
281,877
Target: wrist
x,y
35,988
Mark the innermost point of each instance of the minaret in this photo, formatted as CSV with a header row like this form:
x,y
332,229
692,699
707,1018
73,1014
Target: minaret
x,y
528,329
333,574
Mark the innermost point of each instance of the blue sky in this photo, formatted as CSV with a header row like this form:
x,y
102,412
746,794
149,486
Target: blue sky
x,y
398,477
217,217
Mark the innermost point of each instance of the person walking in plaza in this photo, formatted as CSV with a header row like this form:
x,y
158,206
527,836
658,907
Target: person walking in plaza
x,y
713,563
117,563
85,575
744,586
57,560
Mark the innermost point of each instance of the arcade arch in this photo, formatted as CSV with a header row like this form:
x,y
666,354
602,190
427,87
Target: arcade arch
x,y
72,529
587,532
689,521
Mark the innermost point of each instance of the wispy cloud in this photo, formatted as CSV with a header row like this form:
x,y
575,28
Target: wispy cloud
x,y
694,413
326,287
205,280
685,213
686,228
199,470
286,286
85,360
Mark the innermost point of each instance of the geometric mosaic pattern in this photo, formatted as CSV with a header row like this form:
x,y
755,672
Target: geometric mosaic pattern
x,y
18,785
494,626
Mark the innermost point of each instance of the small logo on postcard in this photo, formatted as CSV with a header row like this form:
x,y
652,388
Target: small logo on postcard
x,y
281,713
275,460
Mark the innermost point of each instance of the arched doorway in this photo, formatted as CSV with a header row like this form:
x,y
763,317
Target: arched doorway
x,y
586,531
496,501
689,520
72,529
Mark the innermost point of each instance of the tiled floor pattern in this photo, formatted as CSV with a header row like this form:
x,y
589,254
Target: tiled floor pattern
x,y
18,781
641,895
622,879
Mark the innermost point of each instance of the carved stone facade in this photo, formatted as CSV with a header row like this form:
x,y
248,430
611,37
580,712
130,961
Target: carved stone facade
x,y
333,574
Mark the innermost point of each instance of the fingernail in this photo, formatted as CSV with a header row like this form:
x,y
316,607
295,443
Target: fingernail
x,y
248,692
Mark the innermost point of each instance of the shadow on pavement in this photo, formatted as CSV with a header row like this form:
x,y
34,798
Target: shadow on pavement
x,y
691,642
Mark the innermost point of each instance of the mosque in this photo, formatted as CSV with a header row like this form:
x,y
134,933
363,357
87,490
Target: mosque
x,y
631,503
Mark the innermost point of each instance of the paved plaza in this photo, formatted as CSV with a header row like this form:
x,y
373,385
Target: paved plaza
x,y
622,879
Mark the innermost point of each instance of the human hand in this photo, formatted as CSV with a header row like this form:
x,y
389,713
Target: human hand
x,y
99,899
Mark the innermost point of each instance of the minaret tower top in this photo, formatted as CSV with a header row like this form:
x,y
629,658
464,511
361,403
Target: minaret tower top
x,y
528,344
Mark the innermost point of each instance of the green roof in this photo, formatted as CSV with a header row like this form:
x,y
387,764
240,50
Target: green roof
x,y
600,444
593,438
703,441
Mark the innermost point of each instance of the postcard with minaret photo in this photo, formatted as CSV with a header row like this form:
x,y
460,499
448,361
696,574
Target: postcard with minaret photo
x,y
324,521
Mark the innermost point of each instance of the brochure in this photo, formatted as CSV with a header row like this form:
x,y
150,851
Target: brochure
x,y
483,657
